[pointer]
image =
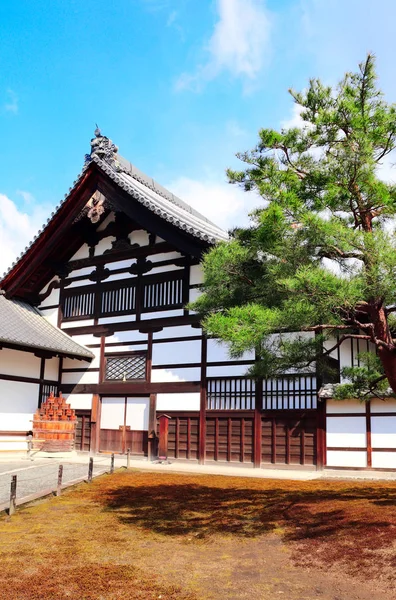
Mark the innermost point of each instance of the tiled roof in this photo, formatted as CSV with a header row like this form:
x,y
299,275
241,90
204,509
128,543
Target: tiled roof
x,y
160,201
24,325
143,189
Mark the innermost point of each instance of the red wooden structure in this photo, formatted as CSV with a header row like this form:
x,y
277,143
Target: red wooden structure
x,y
54,426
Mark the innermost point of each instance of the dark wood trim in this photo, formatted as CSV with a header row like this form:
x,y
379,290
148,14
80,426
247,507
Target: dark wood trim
x,y
42,372
132,387
13,433
363,414
368,435
102,359
149,359
346,449
82,370
22,379
202,406
133,325
180,413
51,307
40,352
60,370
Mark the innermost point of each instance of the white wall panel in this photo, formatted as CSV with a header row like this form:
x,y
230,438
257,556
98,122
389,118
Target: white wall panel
x,y
337,458
140,237
78,378
196,274
381,406
383,432
227,371
384,460
174,332
14,362
137,415
348,432
164,256
177,352
51,370
105,244
119,319
51,316
345,406
79,401
82,323
82,252
166,375
14,444
112,413
162,314
18,403
52,299
187,401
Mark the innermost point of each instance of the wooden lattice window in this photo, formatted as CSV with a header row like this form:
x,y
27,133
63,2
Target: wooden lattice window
x,y
124,367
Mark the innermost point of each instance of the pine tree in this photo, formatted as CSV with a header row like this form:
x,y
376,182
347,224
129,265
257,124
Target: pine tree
x,y
320,254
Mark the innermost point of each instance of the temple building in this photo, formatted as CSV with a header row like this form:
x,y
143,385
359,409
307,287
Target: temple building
x,y
96,307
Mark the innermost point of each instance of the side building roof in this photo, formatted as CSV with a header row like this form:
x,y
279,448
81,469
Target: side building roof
x,y
22,325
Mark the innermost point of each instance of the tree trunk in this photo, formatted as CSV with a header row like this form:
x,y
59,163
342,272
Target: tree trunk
x,y
387,356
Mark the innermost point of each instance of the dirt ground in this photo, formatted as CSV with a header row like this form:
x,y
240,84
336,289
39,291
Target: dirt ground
x,y
151,535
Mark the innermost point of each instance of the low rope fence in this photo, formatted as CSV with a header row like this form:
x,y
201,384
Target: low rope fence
x,y
24,479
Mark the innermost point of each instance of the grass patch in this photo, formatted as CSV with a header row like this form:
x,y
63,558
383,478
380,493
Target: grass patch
x,y
160,535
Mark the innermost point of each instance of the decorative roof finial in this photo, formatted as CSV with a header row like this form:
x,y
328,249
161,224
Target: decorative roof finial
x,y
102,147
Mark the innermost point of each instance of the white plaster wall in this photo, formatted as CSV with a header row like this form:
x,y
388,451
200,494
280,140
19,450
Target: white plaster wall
x,y
227,371
119,319
167,375
81,283
383,460
23,364
137,415
80,378
162,314
196,274
180,331
383,432
218,351
381,406
82,252
112,413
105,244
14,444
79,323
345,406
79,401
18,403
51,316
140,237
337,458
51,369
53,298
164,256
186,401
346,432
177,352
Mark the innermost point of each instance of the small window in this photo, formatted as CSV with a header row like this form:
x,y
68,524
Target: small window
x,y
124,367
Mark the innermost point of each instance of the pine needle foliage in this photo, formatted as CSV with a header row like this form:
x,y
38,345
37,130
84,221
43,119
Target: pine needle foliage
x,y
320,253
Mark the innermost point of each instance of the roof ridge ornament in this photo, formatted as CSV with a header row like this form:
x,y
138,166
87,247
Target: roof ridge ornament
x,y
103,148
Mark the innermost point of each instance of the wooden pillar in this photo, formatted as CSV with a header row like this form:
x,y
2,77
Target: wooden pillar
x,y
202,407
41,385
102,359
152,428
368,435
95,423
258,405
321,435
149,361
163,437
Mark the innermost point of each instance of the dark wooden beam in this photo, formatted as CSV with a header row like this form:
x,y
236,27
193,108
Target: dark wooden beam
x,y
131,388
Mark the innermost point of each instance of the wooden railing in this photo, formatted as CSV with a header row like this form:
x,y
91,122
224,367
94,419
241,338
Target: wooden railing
x,y
290,392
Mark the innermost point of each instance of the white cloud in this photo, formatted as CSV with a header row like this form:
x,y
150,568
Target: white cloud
x,y
224,204
12,103
17,229
239,45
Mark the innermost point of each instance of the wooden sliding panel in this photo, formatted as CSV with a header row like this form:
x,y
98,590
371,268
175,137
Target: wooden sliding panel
x,y
289,439
183,437
230,438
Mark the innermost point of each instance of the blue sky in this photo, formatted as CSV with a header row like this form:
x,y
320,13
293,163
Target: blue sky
x,y
178,85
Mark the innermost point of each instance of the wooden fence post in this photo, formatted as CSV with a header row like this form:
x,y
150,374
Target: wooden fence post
x,y
60,475
90,470
112,463
128,458
13,495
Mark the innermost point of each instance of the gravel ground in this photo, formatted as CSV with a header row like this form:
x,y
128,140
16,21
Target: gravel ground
x,y
40,474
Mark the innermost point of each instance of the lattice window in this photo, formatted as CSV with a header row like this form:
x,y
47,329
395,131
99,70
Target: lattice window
x,y
79,304
292,392
119,300
126,367
163,294
46,391
233,393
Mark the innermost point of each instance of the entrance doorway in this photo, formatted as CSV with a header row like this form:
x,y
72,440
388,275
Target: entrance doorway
x,y
124,424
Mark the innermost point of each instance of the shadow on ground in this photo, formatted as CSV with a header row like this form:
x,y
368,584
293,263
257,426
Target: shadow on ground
x,y
366,514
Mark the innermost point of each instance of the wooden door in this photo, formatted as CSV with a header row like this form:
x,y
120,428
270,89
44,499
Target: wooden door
x,y
124,424
83,430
